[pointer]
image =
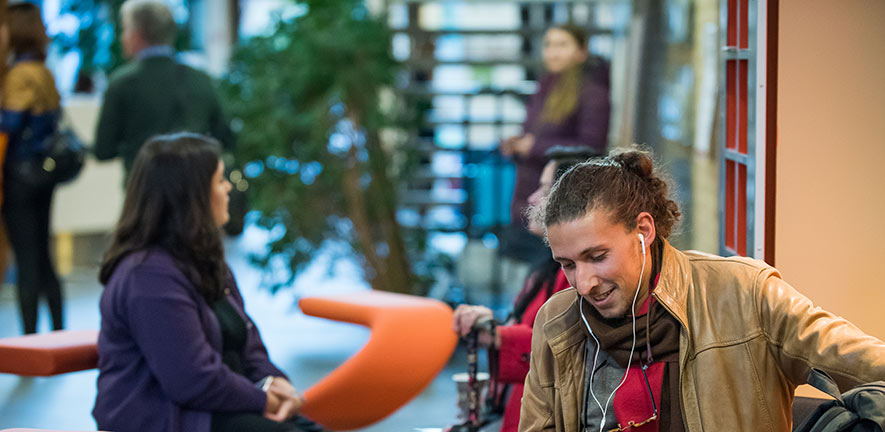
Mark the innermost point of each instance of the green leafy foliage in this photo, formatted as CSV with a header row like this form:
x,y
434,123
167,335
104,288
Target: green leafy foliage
x,y
306,100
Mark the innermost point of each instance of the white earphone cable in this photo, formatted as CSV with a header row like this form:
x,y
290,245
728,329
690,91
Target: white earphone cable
x,y
602,408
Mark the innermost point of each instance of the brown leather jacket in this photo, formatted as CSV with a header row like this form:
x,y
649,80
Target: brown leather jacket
x,y
747,340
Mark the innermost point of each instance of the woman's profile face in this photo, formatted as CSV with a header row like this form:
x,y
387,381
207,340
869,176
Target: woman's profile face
x,y
561,50
219,191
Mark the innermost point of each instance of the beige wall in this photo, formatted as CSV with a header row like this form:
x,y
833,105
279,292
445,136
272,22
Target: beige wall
x,y
830,223
92,202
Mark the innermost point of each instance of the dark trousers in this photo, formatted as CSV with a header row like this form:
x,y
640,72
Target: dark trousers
x,y
26,213
236,422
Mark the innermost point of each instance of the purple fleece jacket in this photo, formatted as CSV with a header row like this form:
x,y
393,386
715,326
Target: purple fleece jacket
x,y
159,347
587,125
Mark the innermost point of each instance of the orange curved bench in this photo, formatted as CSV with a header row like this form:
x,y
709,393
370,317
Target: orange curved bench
x,y
410,343
46,354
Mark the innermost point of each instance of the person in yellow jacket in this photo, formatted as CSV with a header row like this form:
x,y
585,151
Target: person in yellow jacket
x,y
4,140
29,113
651,338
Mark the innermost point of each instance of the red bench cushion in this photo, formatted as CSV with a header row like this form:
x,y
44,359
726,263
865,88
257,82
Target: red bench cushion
x,y
49,353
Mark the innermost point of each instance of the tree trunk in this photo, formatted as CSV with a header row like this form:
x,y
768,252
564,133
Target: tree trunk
x,y
393,272
375,267
399,269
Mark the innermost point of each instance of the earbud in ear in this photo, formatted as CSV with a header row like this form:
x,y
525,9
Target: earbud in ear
x,y
642,241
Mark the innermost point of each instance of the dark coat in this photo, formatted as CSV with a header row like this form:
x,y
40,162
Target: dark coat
x,y
160,367
152,96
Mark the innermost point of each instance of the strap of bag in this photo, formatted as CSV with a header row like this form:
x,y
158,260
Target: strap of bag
x,y
831,418
824,382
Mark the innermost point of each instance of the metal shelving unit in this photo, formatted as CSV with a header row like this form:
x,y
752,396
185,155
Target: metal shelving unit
x,y
482,186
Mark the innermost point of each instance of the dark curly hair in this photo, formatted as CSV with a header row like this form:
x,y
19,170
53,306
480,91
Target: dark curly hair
x,y
624,184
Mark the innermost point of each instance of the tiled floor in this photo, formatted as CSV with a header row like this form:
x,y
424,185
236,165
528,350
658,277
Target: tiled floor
x,y
306,348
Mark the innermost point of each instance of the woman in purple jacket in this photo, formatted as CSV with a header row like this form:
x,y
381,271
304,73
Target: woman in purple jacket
x,y
177,351
570,108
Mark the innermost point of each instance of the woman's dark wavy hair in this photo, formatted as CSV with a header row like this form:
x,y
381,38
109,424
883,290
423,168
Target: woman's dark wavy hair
x,y
624,184
167,206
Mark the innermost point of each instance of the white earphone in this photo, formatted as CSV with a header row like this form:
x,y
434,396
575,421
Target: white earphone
x,y
604,409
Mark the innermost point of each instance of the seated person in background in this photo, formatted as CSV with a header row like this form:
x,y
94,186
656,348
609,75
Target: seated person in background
x,y
652,338
513,340
176,349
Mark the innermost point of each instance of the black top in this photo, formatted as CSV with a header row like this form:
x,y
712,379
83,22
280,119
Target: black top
x,y
233,335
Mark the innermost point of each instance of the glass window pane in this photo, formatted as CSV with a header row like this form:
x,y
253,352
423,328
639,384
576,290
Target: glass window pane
x,y
483,108
507,76
512,108
447,163
456,78
398,16
401,46
447,108
483,137
469,16
602,45
449,136
493,47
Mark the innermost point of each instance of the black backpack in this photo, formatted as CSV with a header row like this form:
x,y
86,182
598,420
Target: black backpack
x,y
861,409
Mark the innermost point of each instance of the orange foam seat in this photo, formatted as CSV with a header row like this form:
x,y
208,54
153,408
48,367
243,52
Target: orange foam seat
x,y
47,354
411,340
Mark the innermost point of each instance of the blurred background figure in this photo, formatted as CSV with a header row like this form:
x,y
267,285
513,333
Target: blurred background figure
x,y
512,341
154,93
30,114
5,252
570,108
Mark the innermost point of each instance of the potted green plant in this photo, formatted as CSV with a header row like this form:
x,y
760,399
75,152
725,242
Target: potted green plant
x,y
315,118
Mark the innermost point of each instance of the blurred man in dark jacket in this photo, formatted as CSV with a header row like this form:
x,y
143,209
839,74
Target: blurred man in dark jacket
x,y
154,93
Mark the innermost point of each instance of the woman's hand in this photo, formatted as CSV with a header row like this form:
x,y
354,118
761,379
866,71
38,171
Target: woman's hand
x,y
283,401
466,316
522,146
506,145
272,406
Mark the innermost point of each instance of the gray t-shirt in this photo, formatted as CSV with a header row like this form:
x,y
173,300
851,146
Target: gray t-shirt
x,y
606,376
